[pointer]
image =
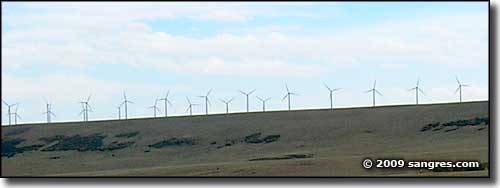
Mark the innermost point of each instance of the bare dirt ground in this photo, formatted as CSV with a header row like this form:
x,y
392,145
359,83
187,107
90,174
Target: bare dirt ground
x,y
296,143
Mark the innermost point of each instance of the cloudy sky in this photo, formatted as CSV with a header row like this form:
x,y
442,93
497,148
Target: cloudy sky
x,y
64,52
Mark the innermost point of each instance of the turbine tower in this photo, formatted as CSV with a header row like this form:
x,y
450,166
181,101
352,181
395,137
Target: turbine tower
x,y
190,107
331,94
119,107
86,108
166,101
417,90
288,95
125,102
460,85
8,111
49,111
247,94
227,104
155,108
264,103
207,101
374,90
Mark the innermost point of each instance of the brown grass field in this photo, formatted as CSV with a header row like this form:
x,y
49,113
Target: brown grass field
x,y
296,143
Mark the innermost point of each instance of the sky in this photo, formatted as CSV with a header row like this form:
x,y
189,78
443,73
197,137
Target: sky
x,y
62,52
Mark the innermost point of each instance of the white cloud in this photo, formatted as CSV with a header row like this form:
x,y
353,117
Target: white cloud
x,y
93,34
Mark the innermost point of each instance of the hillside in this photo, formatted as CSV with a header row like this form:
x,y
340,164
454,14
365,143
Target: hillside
x,y
297,143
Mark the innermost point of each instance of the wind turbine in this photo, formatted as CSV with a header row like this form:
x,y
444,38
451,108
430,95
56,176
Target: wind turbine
x,y
460,85
119,107
190,107
16,115
155,108
247,94
207,101
417,90
331,94
125,102
49,111
86,108
166,101
8,111
373,90
288,95
227,104
264,103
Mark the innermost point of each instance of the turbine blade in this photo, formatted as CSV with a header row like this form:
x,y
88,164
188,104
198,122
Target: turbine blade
x,y
168,92
368,91
336,89
418,81
223,101
188,100
230,100
296,94
421,91
168,101
458,81
187,109
53,114
378,92
88,98
209,91
251,92
411,89
285,97
374,84
209,103
260,99
5,103
465,85
268,99
287,90
458,88
327,87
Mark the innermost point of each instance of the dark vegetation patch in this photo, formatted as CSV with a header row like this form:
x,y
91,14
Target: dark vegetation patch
x,y
77,142
227,143
17,131
127,135
56,157
482,128
429,126
173,142
255,138
213,143
285,157
82,143
9,147
482,166
456,124
116,146
448,130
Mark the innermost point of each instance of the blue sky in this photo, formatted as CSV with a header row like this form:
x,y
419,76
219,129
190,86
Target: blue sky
x,y
66,51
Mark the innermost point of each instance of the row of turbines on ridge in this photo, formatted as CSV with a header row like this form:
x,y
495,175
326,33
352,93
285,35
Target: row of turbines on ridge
x,y
86,108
